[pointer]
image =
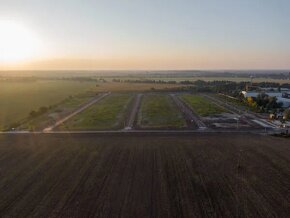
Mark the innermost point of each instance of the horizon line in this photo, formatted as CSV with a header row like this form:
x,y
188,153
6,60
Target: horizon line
x,y
144,70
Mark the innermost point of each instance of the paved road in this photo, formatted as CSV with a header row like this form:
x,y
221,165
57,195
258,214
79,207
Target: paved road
x,y
80,109
188,112
250,117
124,132
133,113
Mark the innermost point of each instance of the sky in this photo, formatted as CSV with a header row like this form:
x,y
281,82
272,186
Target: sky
x,y
145,35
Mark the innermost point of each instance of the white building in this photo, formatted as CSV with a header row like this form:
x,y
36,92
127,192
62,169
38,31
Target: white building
x,y
254,94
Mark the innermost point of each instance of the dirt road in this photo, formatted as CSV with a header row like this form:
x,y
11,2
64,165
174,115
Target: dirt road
x,y
133,113
189,115
224,105
80,109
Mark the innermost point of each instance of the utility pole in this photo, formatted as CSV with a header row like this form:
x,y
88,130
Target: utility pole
x,y
237,119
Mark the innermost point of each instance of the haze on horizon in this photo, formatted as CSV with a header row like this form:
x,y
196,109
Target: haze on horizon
x,y
153,34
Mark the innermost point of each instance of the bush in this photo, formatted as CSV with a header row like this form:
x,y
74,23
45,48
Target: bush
x,y
41,110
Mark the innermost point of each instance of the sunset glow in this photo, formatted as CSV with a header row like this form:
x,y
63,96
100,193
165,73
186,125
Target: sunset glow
x,y
197,34
17,43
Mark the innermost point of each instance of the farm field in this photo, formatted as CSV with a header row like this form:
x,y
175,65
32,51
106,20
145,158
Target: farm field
x,y
129,75
109,113
168,78
145,175
201,106
159,111
57,112
134,87
18,99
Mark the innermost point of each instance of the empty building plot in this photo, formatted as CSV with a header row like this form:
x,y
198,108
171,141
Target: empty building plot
x,y
57,112
201,105
159,111
109,113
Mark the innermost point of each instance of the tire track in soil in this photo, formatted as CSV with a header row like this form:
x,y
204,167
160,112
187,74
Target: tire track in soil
x,y
202,183
60,190
41,168
215,175
113,186
128,191
240,186
71,207
125,184
174,183
213,190
45,185
133,113
22,160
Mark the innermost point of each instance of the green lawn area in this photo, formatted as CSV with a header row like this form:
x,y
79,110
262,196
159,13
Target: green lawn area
x,y
109,113
201,106
159,111
18,99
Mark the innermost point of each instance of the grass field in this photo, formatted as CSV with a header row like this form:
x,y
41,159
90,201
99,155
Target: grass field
x,y
62,109
202,175
201,106
109,113
159,111
18,99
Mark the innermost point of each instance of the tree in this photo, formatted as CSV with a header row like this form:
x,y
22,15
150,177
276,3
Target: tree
x,y
286,114
42,110
267,103
33,114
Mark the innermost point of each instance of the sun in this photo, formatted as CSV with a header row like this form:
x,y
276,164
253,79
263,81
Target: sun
x,y
17,42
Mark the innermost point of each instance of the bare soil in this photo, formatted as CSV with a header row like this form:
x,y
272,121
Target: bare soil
x,y
133,112
144,175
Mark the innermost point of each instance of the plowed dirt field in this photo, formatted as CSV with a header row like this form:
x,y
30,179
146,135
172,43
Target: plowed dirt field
x,y
144,175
